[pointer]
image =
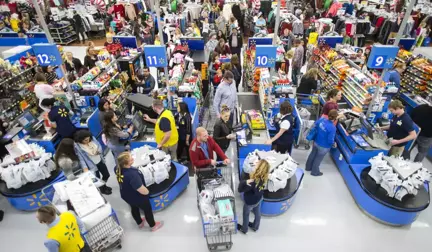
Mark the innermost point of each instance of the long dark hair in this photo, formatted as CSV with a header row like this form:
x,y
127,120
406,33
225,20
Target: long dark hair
x,y
65,149
81,135
102,103
184,109
108,123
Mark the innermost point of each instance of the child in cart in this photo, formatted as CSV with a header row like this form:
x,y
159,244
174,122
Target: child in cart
x,y
253,190
134,191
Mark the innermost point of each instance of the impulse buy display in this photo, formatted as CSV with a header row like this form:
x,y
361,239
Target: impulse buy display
x,y
417,78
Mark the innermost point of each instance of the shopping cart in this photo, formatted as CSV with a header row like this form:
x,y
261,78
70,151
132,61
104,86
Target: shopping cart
x,y
308,107
218,235
104,236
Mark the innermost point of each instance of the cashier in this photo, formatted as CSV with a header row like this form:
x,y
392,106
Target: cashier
x,y
401,128
202,148
59,117
393,76
283,140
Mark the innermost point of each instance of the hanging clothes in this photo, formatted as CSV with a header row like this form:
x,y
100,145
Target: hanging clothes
x,y
119,10
130,11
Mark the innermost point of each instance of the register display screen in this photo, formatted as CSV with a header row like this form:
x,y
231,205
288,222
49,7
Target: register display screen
x,y
26,119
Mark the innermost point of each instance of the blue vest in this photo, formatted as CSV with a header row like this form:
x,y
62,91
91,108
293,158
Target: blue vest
x,y
288,136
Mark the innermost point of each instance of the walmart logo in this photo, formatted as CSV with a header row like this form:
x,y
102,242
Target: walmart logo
x,y
162,200
70,231
35,200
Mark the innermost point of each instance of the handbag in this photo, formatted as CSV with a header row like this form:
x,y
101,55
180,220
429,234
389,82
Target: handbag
x,y
313,132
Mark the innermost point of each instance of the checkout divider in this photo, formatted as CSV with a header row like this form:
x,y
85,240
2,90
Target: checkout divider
x,y
352,159
274,203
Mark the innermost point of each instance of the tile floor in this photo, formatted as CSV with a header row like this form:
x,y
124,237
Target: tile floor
x,y
324,217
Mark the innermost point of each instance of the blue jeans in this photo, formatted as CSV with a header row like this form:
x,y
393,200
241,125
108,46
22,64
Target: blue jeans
x,y
295,72
315,158
257,212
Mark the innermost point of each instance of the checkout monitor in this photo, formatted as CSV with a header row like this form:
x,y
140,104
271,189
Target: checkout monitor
x,y
27,120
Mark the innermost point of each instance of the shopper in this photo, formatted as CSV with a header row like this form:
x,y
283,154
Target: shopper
x,y
297,61
226,95
222,132
235,42
308,82
133,191
66,158
72,64
148,80
401,128
205,29
284,124
236,70
394,75
79,27
184,124
212,43
324,140
90,153
288,39
333,96
217,78
90,58
109,40
50,74
42,90
421,115
117,139
64,233
59,117
104,106
253,191
222,48
202,148
166,133
232,24
260,24
220,35
177,36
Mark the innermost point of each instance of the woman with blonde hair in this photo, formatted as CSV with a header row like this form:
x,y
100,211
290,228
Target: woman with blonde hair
x,y
72,63
308,82
253,190
134,191
90,58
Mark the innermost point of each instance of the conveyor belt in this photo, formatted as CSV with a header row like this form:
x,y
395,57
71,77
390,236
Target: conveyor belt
x,y
280,194
159,188
29,187
249,101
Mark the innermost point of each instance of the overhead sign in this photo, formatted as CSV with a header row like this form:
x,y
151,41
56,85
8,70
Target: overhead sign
x,y
330,40
265,56
47,54
382,56
259,41
155,56
406,43
126,41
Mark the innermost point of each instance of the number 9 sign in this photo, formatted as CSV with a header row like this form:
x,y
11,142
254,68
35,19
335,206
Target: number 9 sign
x,y
382,56
47,54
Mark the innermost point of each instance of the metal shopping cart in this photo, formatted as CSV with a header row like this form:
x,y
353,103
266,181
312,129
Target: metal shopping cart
x,y
104,236
308,107
218,234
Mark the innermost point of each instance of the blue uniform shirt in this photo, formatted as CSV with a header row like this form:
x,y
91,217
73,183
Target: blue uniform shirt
x,y
400,127
60,115
130,180
326,132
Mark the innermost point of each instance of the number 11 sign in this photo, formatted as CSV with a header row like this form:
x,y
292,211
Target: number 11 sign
x,y
265,56
155,56
382,56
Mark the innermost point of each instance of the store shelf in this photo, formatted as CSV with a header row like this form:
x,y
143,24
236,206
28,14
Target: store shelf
x,y
353,94
358,84
59,28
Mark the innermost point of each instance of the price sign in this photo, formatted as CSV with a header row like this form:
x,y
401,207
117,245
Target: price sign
x,y
265,56
382,56
47,54
155,56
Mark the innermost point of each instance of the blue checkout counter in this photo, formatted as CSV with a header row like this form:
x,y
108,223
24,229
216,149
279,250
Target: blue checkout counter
x,y
274,203
352,160
30,197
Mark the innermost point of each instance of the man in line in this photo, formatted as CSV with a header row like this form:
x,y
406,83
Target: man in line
x,y
226,95
148,82
166,133
201,150
421,115
297,61
64,232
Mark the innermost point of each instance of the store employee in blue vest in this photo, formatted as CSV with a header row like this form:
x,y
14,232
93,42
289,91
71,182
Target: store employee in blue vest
x,y
401,128
59,117
146,82
282,142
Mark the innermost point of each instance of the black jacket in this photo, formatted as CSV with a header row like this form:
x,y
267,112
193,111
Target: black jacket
x,y
220,131
77,65
306,86
78,21
184,126
421,116
89,62
253,193
239,41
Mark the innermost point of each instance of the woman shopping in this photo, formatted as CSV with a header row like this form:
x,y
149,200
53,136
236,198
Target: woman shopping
x,y
90,153
116,138
134,192
104,106
323,141
222,132
184,123
333,96
253,191
67,159
308,82
283,141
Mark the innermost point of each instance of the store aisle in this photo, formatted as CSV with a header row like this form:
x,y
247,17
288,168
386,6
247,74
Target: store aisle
x,y
324,217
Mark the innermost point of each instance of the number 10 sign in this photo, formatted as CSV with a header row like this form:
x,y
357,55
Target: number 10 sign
x,y
155,56
382,56
265,56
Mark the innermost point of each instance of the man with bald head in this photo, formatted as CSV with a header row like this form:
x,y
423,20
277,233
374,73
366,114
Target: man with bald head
x,y
201,150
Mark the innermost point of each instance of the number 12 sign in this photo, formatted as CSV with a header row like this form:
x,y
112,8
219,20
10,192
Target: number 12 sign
x,y
155,56
265,56
47,54
382,56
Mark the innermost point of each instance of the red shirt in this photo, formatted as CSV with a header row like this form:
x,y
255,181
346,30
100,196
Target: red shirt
x,y
329,106
197,156
217,80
